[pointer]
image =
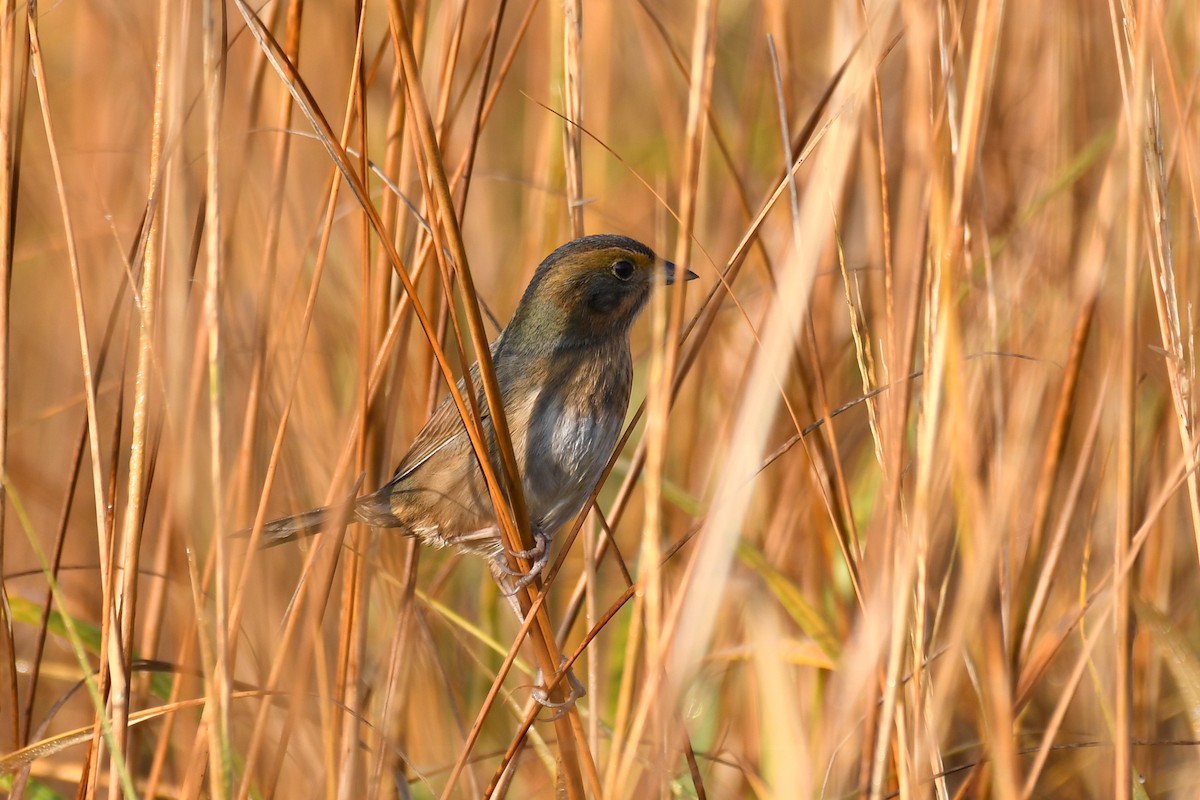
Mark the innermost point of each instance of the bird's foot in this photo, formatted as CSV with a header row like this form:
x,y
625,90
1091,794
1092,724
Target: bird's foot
x,y
539,555
541,695
540,550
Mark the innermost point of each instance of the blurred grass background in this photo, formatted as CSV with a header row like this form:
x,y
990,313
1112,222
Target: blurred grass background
x,y
916,517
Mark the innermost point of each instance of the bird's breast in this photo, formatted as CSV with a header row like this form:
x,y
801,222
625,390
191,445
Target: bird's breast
x,y
573,426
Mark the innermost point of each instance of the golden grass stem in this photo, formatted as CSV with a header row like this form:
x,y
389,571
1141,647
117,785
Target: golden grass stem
x,y
573,110
218,682
114,725
9,153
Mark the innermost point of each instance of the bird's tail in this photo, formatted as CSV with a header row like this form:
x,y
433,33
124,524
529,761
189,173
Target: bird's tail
x,y
306,523
366,509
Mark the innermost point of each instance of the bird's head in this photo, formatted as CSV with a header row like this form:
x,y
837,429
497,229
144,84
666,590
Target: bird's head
x,y
587,290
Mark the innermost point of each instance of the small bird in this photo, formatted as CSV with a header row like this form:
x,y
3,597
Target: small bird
x,y
564,370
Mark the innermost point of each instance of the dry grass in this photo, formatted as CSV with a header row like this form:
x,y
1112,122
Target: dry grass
x,y
910,508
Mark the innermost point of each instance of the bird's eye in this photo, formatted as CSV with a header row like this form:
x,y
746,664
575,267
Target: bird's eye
x,y
623,270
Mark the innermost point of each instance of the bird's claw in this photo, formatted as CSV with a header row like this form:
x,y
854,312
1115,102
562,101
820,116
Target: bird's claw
x,y
540,553
540,550
523,579
541,696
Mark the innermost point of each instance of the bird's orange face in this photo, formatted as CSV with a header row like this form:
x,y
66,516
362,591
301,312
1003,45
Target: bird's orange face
x,y
602,288
590,289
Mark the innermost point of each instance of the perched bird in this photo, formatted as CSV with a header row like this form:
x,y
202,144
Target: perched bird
x,y
564,370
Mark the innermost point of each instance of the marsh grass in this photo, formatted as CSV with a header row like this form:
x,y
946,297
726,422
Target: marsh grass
x,y
909,508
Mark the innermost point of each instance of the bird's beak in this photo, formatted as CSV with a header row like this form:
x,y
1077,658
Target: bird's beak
x,y
670,269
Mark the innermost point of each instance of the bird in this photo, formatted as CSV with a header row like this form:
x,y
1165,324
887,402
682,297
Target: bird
x,y
564,368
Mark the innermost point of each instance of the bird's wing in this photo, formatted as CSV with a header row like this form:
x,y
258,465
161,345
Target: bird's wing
x,y
445,428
